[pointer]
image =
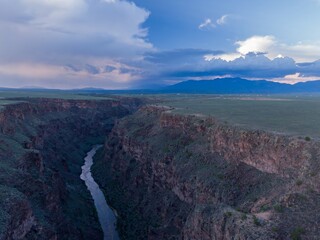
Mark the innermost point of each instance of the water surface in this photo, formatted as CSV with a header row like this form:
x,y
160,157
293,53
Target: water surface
x,y
106,216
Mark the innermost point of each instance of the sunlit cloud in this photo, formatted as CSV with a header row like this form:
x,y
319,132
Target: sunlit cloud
x,y
207,24
273,48
295,78
256,44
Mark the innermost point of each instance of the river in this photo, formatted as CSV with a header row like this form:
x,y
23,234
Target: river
x,y
106,216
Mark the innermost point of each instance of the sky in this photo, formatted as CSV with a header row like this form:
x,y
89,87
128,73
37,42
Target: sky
x,y
120,44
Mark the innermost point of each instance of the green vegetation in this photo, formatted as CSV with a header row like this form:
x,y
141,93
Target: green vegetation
x,y
8,97
256,221
228,214
296,233
264,208
278,208
244,216
294,115
60,94
288,114
299,182
313,174
308,139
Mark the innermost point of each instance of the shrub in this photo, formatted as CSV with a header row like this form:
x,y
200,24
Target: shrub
x,y
307,138
244,216
264,208
296,233
189,154
256,221
313,174
299,182
228,214
278,208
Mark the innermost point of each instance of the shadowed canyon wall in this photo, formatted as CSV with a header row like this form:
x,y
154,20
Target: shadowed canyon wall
x,y
168,176
43,142
190,177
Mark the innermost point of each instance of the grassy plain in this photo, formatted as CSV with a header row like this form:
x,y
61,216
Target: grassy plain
x,y
287,114
291,114
61,94
8,97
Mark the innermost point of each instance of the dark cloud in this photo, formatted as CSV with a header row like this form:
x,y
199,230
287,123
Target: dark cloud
x,y
92,69
178,55
309,69
102,43
190,63
109,68
78,39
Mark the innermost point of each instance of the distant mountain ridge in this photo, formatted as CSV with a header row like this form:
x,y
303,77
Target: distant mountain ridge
x,y
215,86
241,86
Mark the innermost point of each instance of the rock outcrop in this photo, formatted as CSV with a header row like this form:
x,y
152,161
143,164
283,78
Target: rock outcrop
x,y
168,176
172,176
43,142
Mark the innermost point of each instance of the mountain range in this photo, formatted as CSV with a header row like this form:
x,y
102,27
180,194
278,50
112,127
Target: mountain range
x,y
241,86
215,86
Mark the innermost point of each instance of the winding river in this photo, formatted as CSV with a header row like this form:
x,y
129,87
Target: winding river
x,y
106,216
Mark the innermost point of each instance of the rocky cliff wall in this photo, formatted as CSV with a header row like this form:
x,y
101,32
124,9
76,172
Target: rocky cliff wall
x,y
190,177
43,142
271,153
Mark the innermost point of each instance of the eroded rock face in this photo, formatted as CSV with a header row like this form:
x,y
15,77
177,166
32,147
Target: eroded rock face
x,y
267,152
43,145
22,220
191,177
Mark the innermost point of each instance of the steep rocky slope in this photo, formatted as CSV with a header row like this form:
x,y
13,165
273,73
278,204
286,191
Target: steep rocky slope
x,y
171,176
43,142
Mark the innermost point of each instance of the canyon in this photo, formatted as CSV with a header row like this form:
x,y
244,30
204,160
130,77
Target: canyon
x,y
106,215
174,176
43,143
167,175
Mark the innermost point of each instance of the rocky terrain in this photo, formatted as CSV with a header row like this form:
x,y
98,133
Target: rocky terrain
x,y
167,175
43,142
173,176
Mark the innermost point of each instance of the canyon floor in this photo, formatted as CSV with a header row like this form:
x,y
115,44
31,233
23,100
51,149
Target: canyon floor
x,y
172,166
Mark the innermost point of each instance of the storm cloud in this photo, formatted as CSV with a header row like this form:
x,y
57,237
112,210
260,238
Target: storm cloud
x,y
53,35
105,43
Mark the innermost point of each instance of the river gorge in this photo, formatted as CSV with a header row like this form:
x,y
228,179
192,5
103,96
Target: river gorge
x,y
106,216
167,175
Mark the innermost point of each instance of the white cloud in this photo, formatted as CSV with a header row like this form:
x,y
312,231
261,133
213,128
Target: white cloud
x,y
256,44
49,34
226,56
222,20
295,78
52,12
31,70
55,76
207,24
300,52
